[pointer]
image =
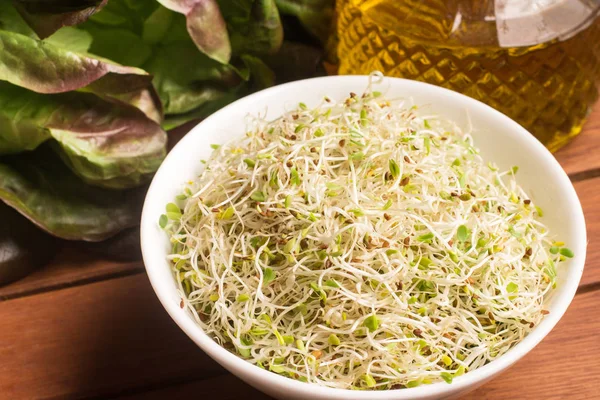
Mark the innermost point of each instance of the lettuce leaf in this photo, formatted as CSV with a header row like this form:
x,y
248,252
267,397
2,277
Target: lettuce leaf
x,y
45,191
254,26
192,78
23,247
187,79
46,17
72,39
315,15
146,100
296,61
45,68
106,142
205,25
61,63
80,110
11,21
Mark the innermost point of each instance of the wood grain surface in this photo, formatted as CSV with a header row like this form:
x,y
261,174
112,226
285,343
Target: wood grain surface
x,y
581,157
589,194
70,267
98,339
224,387
89,328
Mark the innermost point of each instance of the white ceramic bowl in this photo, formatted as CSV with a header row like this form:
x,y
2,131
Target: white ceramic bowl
x,y
500,139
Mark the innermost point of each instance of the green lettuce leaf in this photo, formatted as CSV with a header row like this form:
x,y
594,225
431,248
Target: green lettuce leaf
x,y
205,25
187,79
23,247
192,78
106,142
189,82
315,15
254,26
61,63
156,26
72,39
11,21
48,16
45,191
146,100
219,100
123,46
45,68
296,61
263,76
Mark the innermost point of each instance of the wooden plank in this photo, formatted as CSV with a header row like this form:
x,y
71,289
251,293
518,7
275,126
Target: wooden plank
x,y
589,195
70,267
224,387
558,368
582,153
113,337
93,340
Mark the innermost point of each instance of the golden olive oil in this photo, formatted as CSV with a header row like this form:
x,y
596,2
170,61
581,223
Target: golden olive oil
x,y
537,61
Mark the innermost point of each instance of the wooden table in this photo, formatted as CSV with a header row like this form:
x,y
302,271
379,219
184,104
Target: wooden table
x,y
88,328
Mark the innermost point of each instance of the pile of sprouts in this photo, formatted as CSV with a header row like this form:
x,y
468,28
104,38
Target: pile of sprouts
x,y
361,245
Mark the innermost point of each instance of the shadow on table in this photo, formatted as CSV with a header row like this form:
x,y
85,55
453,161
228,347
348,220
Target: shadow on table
x,y
133,347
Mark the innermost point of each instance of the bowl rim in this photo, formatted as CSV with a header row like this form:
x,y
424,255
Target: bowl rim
x,y
250,372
